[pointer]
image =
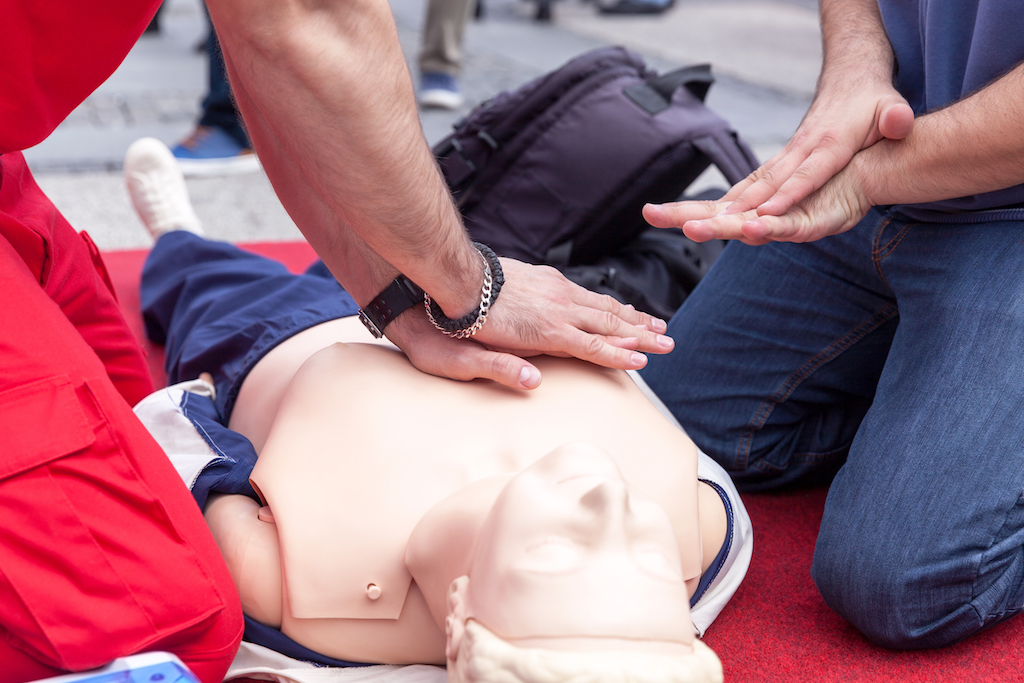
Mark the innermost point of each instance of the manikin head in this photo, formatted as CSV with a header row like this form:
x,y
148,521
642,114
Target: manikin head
x,y
574,576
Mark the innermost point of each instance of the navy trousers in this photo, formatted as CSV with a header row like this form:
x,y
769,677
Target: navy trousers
x,y
219,309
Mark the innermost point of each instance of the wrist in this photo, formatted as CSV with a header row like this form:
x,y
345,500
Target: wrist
x,y
873,171
469,324
459,294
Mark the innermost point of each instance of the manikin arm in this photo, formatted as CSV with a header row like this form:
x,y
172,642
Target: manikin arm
x,y
328,102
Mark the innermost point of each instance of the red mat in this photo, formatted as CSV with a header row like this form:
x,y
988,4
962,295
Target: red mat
x,y
776,628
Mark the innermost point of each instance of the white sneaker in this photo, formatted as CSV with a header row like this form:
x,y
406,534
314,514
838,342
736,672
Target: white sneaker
x,y
439,91
157,189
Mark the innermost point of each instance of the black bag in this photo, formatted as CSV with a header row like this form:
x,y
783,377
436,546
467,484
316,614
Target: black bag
x,y
558,170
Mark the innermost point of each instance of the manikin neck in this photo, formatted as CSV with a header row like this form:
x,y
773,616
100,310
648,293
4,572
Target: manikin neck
x,y
441,546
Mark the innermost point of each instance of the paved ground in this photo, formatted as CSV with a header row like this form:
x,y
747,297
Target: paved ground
x,y
765,54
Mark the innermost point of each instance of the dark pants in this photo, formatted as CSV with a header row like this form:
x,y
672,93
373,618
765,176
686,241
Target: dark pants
x,y
219,105
219,309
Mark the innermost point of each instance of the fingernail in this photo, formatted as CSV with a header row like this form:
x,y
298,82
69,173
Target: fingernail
x,y
665,342
529,377
659,325
639,360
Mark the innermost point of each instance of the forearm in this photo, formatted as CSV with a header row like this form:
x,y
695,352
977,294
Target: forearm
x,y
855,47
358,268
330,85
973,146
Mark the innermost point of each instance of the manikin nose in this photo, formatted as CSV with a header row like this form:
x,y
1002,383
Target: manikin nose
x,y
609,501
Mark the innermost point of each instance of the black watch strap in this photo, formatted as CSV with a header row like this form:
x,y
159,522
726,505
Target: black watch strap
x,y
389,304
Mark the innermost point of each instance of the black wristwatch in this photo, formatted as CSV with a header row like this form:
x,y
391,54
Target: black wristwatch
x,y
389,304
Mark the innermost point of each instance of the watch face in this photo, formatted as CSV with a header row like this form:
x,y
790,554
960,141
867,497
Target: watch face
x,y
365,319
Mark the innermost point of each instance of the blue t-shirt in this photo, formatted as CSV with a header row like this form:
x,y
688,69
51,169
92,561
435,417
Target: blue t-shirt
x,y
947,49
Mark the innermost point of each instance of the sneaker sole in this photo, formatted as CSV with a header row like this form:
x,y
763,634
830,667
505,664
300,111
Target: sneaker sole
x,y
440,99
191,168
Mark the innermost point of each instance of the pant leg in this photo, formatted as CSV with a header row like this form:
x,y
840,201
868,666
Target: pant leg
x,y
219,309
922,539
219,104
777,354
441,51
103,552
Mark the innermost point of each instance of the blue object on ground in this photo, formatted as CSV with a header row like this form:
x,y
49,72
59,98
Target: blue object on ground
x,y
439,90
211,150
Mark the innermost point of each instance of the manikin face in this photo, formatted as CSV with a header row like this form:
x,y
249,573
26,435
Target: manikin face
x,y
571,558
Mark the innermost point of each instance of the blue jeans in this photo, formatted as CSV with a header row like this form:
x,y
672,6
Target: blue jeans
x,y
219,108
892,357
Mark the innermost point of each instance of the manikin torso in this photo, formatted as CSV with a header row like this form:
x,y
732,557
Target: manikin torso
x,y
356,446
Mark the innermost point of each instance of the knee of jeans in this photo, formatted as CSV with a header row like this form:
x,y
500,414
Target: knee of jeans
x,y
892,602
862,589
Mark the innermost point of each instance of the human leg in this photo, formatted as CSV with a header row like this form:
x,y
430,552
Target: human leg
x,y
219,309
215,307
220,143
103,552
922,539
219,108
777,354
440,58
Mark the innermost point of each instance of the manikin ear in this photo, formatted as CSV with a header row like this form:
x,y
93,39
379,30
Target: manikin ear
x,y
455,622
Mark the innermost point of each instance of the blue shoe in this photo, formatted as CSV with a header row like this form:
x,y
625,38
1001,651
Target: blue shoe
x,y
634,6
440,91
211,151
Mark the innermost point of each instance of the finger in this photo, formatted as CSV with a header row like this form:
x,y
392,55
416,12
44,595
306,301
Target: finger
x,y
739,188
816,170
623,342
467,360
596,349
626,312
768,184
896,120
674,214
724,226
206,377
606,324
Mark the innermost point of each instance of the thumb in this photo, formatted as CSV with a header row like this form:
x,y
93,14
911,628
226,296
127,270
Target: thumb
x,y
896,119
466,360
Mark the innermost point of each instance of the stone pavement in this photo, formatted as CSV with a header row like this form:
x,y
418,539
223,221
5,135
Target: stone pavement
x,y
765,54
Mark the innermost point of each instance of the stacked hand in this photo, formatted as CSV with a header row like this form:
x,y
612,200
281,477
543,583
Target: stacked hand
x,y
538,311
808,190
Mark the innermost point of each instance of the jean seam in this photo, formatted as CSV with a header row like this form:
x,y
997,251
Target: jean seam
x,y
997,536
803,372
879,252
804,457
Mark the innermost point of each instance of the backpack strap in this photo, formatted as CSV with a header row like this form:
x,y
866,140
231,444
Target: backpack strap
x,y
655,95
729,153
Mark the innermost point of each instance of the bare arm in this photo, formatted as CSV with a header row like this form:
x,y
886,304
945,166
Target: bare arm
x,y
973,146
855,106
328,100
